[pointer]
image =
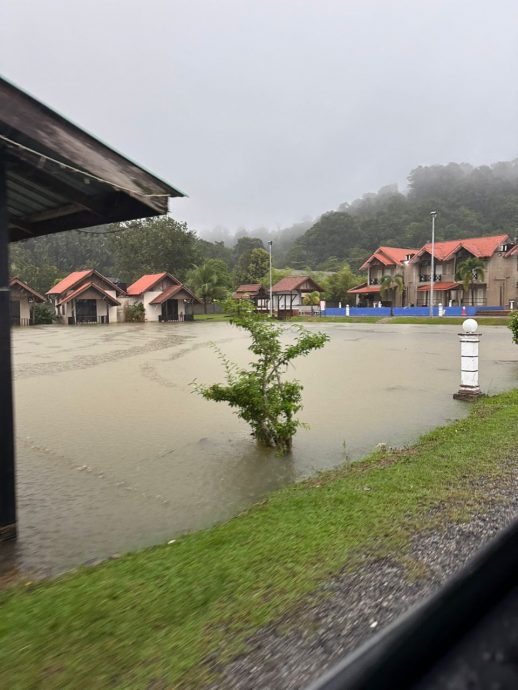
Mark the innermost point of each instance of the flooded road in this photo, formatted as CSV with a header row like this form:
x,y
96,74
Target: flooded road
x,y
116,452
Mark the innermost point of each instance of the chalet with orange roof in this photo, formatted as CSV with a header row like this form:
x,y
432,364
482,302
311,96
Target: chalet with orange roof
x,y
22,299
163,296
384,263
86,297
288,294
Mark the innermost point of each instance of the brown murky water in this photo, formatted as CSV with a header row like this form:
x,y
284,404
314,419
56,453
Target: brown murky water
x,y
115,452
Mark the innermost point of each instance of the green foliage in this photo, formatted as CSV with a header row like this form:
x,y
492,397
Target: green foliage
x,y
211,281
134,313
389,283
513,325
44,313
337,285
251,266
259,394
153,245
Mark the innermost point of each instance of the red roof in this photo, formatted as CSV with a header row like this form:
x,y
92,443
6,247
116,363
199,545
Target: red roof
x,y
481,247
148,281
84,288
439,286
293,283
360,289
68,282
171,292
23,286
249,287
389,256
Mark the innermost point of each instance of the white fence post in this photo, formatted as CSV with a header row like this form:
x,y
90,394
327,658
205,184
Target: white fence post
x,y
469,340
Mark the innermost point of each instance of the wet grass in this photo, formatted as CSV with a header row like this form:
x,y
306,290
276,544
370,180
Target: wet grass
x,y
435,320
153,619
210,317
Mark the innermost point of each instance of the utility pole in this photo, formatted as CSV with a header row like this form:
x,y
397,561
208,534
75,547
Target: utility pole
x,y
433,214
271,293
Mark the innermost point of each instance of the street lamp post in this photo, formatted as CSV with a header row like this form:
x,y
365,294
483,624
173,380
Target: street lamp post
x,y
271,294
433,214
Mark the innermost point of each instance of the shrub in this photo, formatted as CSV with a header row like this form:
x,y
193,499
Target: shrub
x,y
44,313
513,325
134,313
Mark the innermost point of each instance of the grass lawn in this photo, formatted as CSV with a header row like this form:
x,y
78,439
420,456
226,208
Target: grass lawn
x,y
443,320
210,317
150,619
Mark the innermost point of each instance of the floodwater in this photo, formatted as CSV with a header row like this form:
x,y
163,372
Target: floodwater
x,y
115,451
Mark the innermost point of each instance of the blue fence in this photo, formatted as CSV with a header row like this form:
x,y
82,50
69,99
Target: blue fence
x,y
407,311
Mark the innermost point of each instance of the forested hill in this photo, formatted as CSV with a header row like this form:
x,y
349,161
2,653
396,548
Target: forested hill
x,y
470,201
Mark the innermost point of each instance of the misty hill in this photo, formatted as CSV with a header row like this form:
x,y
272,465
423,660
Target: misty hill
x,y
470,201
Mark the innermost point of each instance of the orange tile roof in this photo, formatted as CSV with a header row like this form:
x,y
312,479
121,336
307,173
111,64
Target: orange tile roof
x,y
68,282
481,247
293,283
361,289
84,288
249,287
171,292
148,281
23,286
439,286
389,256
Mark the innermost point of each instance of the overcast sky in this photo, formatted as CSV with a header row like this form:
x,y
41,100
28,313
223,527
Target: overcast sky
x,y
267,111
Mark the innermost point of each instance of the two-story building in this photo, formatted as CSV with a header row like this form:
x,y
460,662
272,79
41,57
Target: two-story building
x,y
496,284
382,286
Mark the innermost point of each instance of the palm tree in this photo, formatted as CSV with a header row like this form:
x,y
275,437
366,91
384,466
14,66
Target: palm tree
x,y
389,283
468,272
311,299
208,282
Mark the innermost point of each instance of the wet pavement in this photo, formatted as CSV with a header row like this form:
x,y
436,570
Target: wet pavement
x,y
115,451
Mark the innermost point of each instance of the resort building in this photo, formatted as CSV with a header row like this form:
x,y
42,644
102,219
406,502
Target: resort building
x,y
22,299
255,292
288,294
86,297
495,283
163,296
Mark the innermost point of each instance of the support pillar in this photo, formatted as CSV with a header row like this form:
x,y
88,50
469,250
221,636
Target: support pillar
x,y
347,310
469,340
7,462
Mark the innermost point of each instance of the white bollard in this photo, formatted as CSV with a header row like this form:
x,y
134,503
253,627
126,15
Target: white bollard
x,y
347,310
441,309
469,340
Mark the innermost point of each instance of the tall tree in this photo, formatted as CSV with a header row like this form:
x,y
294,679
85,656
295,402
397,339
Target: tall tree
x,y
252,266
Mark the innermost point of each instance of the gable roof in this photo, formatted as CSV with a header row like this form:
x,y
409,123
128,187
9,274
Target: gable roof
x,y
481,247
73,279
68,282
16,282
249,287
88,286
389,256
293,283
148,281
171,292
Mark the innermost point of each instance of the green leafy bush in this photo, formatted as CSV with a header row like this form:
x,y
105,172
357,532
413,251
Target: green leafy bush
x,y
44,313
134,313
259,394
513,325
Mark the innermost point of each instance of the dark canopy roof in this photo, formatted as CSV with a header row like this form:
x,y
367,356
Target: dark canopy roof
x,y
60,178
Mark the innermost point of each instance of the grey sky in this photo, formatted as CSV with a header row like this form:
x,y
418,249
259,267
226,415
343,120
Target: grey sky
x,y
265,111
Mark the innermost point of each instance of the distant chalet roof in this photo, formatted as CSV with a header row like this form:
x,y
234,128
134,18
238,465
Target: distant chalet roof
x,y
294,283
148,281
90,286
16,282
248,291
60,178
73,279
